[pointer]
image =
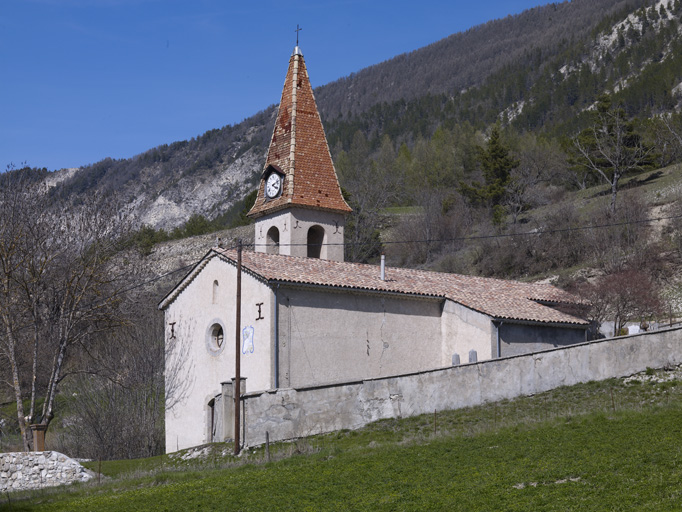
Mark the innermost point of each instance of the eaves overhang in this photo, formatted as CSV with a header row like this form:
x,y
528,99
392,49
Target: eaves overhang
x,y
581,324
355,289
194,272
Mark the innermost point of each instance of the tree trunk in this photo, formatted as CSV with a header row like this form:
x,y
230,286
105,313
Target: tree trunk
x,y
48,407
614,193
16,385
34,377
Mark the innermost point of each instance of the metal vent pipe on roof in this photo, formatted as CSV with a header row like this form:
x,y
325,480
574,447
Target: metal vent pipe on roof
x,y
383,267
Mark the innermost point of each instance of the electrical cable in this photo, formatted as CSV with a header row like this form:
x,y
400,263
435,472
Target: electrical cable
x,y
131,288
399,242
481,237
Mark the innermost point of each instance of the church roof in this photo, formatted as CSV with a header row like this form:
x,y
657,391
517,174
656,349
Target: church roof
x,y
497,298
299,150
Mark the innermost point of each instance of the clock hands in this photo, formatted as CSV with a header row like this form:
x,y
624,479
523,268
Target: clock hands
x,y
272,185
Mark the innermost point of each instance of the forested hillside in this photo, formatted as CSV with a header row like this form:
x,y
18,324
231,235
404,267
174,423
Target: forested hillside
x,y
632,53
537,71
465,60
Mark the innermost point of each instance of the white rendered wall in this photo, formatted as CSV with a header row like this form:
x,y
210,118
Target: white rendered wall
x,y
328,336
193,312
463,330
293,225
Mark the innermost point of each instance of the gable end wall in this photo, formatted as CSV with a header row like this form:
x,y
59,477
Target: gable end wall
x,y
193,312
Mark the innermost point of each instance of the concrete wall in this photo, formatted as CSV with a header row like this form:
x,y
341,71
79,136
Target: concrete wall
x,y
516,339
21,471
293,225
291,413
334,337
199,306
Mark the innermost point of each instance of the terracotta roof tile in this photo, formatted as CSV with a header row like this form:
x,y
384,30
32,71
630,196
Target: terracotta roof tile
x,y
310,177
497,298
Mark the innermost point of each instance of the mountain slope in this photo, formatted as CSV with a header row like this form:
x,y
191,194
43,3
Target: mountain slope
x,y
467,59
164,186
639,61
538,70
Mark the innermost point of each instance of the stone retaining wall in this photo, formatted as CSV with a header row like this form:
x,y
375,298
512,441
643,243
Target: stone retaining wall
x,y
21,471
298,412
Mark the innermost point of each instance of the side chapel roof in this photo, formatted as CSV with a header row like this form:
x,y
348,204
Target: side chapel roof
x,y
299,150
497,298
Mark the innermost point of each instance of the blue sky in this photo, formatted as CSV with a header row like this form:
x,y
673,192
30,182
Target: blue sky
x,y
87,79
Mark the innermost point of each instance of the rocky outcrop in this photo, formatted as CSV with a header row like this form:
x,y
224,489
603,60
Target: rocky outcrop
x,y
166,203
22,471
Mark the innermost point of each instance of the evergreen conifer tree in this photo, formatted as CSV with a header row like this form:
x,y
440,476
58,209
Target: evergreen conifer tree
x,y
496,164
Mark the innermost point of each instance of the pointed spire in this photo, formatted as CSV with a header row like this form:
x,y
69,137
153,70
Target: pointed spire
x,y
299,150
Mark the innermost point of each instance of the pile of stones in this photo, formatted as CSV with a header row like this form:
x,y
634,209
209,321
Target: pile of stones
x,y
21,471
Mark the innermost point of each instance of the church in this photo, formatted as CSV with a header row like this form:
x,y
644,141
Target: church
x,y
309,318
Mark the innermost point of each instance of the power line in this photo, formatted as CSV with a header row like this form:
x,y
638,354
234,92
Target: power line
x,y
480,237
125,290
397,242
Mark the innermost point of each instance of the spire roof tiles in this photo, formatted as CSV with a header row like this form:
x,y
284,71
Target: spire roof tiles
x,y
299,150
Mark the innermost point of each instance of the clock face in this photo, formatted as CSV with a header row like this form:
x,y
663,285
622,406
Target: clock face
x,y
273,185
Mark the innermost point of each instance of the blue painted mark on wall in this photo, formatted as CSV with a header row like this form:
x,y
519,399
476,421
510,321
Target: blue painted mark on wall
x,y
247,340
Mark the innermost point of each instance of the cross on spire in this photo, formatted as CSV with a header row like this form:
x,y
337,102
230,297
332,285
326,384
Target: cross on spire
x,y
298,29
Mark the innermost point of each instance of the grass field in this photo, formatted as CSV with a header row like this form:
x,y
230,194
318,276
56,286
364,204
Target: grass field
x,y
614,445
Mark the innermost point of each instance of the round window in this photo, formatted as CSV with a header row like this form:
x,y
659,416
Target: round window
x,y
215,338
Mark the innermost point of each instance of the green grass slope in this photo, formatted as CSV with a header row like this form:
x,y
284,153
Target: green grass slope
x,y
613,445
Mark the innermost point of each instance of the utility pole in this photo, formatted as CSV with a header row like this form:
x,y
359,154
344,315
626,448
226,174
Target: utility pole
x,y
238,352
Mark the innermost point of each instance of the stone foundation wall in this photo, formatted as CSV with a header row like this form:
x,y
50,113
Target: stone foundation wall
x,y
21,471
298,412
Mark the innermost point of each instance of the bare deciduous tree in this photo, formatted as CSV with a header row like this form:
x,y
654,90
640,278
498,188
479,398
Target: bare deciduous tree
x,y
421,231
665,133
617,240
622,297
539,163
610,147
673,125
372,184
115,406
57,290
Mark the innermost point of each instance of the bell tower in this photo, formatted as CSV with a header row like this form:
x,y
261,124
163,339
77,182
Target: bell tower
x,y
299,209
